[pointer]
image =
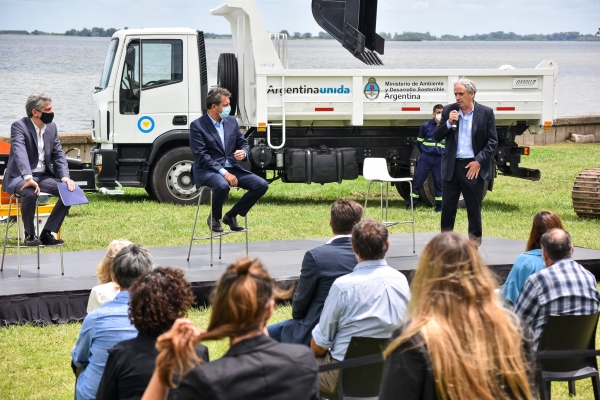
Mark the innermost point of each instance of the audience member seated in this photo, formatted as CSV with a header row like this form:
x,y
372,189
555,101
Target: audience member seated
x,y
255,367
108,288
320,267
563,288
368,302
458,342
158,298
531,261
109,324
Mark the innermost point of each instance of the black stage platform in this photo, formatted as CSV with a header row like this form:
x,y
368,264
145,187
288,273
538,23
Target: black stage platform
x,y
44,296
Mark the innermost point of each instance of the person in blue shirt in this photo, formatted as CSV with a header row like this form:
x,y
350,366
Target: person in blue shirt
x,y
109,324
531,261
429,161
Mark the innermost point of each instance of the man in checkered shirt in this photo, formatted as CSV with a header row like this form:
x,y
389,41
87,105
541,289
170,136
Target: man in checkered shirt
x,y
563,288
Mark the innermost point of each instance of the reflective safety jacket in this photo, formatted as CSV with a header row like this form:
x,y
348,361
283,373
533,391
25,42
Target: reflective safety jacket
x,y
427,143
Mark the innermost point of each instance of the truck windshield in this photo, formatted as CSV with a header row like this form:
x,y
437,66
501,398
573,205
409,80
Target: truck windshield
x,y
108,63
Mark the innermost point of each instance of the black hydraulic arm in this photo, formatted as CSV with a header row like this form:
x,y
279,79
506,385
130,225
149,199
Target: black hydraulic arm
x,y
353,24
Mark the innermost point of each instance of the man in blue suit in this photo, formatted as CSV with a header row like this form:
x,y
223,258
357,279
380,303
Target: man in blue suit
x,y
217,144
37,163
467,159
320,268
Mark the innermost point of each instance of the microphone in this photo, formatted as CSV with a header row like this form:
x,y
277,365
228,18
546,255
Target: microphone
x,y
454,107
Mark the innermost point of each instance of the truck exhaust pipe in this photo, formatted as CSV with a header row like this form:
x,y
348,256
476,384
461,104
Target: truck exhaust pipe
x,y
352,23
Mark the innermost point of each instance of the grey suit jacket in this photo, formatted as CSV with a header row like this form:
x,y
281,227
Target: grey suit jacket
x,y
483,137
320,268
23,156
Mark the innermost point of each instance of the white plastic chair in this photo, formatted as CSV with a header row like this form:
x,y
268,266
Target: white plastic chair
x,y
376,170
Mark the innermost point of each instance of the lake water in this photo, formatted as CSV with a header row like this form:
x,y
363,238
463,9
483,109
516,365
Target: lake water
x,y
68,68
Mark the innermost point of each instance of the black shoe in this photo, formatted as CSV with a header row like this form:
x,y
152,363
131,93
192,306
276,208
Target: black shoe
x,y
438,206
32,240
49,240
215,226
232,222
408,204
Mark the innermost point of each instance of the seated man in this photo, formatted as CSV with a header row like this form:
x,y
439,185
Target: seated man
x,y
320,267
37,163
369,302
109,324
217,144
563,288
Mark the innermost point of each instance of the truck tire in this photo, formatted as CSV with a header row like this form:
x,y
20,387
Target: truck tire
x,y
461,200
227,77
172,180
427,196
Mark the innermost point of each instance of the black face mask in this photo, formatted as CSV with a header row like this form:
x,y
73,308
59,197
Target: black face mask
x,y
47,117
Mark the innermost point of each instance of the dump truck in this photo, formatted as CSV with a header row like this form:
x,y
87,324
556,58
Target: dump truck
x,y
302,125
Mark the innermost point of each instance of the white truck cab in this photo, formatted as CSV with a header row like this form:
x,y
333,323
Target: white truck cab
x,y
154,84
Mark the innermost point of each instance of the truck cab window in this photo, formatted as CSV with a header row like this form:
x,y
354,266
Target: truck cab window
x,y
129,93
108,63
162,63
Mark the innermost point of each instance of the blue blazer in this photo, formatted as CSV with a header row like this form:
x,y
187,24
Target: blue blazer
x,y
23,157
483,135
206,145
320,268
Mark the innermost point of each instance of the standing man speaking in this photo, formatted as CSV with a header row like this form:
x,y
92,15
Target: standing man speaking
x,y
470,132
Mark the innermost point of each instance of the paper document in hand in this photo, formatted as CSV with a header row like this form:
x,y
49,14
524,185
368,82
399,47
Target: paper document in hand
x,y
74,198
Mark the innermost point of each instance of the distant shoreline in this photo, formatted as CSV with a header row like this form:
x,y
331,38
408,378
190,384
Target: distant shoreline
x,y
404,37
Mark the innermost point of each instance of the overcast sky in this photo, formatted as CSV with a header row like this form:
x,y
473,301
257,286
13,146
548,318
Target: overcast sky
x,y
435,16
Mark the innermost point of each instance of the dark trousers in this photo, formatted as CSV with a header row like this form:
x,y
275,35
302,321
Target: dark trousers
x,y
47,184
428,163
472,190
256,187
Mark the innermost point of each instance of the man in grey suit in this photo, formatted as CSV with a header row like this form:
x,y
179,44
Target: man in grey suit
x,y
469,129
320,268
37,163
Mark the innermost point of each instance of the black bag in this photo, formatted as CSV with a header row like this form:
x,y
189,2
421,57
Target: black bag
x,y
322,165
295,165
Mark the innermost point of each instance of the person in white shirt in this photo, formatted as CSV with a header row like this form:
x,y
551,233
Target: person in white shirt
x,y
37,163
108,288
368,302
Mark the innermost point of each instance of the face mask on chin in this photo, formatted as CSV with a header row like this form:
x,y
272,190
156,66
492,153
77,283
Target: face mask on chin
x,y
225,113
46,118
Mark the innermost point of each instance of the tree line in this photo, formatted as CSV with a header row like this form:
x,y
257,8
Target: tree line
x,y
492,36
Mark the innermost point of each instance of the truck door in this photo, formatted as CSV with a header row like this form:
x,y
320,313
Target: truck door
x,y
153,93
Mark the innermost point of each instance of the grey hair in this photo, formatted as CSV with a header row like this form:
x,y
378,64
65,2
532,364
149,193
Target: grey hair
x,y
214,96
35,101
467,83
557,244
130,263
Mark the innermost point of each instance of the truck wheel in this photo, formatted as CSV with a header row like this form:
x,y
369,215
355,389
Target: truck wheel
x,y
461,200
403,190
227,77
172,179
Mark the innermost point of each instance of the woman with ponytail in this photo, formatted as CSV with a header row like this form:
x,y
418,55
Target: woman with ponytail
x,y
459,342
254,367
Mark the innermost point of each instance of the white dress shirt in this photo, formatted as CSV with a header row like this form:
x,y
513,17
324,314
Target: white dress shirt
x,y
41,165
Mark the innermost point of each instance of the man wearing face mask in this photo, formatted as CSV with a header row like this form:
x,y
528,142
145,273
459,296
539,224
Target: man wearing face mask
x,y
37,163
430,160
217,144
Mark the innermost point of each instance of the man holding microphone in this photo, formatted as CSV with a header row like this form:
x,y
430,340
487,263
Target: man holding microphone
x,y
469,129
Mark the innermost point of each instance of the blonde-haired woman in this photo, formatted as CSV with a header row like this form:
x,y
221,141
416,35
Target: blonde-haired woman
x,y
108,288
459,342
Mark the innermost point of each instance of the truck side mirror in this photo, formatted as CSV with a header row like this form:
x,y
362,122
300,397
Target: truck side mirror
x,y
130,58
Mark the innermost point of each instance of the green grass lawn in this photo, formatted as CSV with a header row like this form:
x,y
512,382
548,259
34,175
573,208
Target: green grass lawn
x,y
34,361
